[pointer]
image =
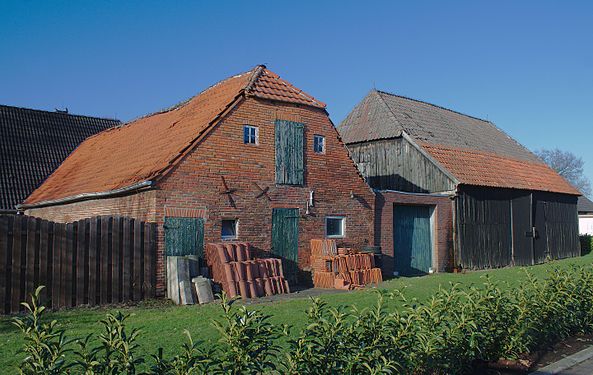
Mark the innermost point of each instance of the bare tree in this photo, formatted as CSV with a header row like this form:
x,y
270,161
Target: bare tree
x,y
569,166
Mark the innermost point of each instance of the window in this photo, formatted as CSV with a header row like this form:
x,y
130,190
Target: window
x,y
289,152
229,229
319,144
335,227
251,135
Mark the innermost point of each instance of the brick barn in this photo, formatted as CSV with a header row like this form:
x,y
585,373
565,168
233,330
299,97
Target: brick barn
x,y
252,158
455,190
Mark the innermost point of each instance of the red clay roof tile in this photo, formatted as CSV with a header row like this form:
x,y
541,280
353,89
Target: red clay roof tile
x,y
145,148
472,167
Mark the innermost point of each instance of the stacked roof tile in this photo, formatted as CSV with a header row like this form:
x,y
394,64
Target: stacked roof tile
x,y
146,148
33,143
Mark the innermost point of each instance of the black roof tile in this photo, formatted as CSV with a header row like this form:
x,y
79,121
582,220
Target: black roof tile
x,y
33,143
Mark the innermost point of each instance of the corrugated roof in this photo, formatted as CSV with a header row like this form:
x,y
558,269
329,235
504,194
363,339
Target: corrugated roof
x,y
146,148
457,141
33,143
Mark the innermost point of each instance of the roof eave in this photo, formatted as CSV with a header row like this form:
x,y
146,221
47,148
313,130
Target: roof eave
x,y
87,196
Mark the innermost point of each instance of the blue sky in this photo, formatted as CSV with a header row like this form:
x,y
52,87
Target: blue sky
x,y
525,65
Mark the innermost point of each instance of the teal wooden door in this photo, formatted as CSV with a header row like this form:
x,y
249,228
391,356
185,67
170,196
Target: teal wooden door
x,y
412,240
285,240
184,236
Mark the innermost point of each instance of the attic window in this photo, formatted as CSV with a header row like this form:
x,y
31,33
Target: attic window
x,y
250,135
319,144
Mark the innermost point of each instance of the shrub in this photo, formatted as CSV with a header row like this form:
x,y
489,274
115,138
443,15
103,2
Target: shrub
x,y
586,243
445,335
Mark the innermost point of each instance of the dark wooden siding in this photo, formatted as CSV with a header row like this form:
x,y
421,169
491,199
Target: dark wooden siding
x,y
496,227
395,164
484,228
80,263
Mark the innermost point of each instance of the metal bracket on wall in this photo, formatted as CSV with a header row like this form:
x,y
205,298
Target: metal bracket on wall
x,y
263,192
229,192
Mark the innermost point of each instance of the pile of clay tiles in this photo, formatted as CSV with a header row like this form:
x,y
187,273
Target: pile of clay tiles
x,y
342,268
235,268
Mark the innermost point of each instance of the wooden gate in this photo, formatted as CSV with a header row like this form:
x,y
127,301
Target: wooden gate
x,y
412,239
285,240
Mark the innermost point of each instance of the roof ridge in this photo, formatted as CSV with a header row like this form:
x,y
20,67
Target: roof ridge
x,y
58,113
389,110
433,105
184,102
257,73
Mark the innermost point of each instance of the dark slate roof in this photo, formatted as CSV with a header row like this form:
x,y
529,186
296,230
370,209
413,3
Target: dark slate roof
x,y
584,205
33,143
427,123
473,150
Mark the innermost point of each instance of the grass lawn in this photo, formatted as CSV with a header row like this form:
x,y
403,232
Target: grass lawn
x,y
162,324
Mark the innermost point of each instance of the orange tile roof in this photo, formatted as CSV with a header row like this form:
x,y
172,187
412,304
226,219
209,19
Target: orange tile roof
x,y
145,148
472,167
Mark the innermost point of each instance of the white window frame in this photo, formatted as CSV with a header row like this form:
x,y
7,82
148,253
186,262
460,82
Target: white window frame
x,y
343,220
229,238
256,135
323,146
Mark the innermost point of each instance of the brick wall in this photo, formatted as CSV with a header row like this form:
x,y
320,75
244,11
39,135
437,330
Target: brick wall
x,y
248,169
196,184
443,226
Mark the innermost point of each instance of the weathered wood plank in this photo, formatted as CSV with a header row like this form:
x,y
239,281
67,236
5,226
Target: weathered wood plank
x,y
105,287
57,264
137,262
148,286
17,282
116,244
66,295
81,262
30,260
5,261
128,245
93,260
43,259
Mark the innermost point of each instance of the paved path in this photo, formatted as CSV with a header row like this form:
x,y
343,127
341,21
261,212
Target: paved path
x,y
583,368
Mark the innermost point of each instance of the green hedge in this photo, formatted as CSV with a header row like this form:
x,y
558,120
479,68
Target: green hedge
x,y
586,243
448,334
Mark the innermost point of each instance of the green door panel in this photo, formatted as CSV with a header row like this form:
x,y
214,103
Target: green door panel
x,y
184,236
412,239
285,239
289,144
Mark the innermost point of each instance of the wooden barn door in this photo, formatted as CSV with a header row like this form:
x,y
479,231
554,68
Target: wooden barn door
x,y
412,240
184,236
285,240
522,230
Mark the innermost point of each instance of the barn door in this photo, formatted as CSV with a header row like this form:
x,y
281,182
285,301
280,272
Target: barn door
x,y
184,236
540,241
522,230
412,240
285,236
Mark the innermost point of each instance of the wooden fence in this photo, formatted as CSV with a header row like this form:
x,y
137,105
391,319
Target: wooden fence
x,y
95,261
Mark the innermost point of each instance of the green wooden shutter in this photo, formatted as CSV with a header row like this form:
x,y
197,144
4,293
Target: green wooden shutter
x,y
184,236
290,166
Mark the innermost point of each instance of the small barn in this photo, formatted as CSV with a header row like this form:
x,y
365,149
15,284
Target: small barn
x,y
455,190
33,143
252,158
